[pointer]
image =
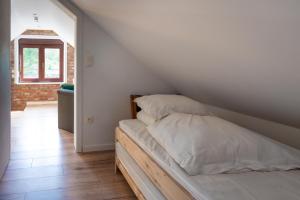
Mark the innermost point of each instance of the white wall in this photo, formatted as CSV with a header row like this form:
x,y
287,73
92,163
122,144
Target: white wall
x,y
51,17
280,132
106,93
239,54
4,84
107,85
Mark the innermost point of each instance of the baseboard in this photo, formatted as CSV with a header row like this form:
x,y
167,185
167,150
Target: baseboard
x,y
98,147
3,169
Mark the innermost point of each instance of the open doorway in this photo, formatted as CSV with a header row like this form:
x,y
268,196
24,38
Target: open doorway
x,y
42,77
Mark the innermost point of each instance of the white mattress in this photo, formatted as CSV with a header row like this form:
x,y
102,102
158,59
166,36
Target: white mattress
x,y
245,186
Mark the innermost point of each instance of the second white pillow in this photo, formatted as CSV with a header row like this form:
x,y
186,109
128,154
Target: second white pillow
x,y
160,105
145,118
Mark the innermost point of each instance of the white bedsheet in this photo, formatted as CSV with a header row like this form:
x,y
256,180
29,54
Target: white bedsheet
x,y
244,186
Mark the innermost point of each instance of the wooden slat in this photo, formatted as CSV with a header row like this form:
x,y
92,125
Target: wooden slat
x,y
133,105
163,181
129,180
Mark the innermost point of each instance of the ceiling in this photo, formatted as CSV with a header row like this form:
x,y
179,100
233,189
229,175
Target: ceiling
x,y
51,17
243,55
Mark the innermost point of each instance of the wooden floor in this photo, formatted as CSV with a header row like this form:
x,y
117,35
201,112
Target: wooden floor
x,y
44,166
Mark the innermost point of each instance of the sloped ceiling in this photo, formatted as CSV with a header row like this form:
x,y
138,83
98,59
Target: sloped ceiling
x,y
51,17
243,55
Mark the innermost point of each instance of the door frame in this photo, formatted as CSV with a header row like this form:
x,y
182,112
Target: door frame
x,y
72,9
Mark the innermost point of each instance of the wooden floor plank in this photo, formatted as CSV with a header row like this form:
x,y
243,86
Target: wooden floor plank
x,y
116,190
44,165
38,172
41,154
20,164
89,192
72,158
46,183
12,197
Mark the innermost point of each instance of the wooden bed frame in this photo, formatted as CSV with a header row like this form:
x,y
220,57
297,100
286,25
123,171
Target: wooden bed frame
x,y
159,177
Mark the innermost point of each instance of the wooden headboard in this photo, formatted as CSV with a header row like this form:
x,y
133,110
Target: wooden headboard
x,y
134,107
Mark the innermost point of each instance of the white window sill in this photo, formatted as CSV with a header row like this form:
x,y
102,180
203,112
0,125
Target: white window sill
x,y
40,83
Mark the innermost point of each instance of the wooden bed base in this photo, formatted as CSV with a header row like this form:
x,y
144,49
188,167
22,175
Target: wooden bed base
x,y
131,183
159,177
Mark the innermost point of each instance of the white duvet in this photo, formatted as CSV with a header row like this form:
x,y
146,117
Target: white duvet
x,y
277,185
210,145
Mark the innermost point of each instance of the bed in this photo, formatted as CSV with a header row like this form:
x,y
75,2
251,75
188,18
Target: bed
x,y
153,174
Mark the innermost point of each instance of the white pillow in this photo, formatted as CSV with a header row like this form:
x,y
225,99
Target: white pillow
x,y
210,145
145,118
159,106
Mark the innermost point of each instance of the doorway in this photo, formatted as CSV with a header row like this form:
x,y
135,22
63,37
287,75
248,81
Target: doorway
x,y
43,59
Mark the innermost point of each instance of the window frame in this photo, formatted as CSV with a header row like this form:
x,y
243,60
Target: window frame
x,y
41,44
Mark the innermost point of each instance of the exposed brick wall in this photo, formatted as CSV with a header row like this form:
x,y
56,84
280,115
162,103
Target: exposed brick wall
x,y
39,32
22,93
70,64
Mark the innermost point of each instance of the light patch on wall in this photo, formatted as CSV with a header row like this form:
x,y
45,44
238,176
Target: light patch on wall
x,y
44,15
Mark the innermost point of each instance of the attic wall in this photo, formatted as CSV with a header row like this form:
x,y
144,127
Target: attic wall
x,y
242,55
107,84
280,132
239,55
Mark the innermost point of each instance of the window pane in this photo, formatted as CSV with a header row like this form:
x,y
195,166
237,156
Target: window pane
x,y
52,63
31,62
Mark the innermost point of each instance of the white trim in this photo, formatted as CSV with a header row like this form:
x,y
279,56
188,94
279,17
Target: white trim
x,y
16,54
40,83
78,71
65,61
3,168
50,37
33,103
98,147
16,60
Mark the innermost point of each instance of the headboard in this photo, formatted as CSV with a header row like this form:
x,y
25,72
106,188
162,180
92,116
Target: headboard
x,y
134,107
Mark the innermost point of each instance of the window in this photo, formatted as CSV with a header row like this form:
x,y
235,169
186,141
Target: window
x,y
41,60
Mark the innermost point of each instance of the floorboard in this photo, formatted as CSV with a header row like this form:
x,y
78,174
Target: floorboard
x,y
44,165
